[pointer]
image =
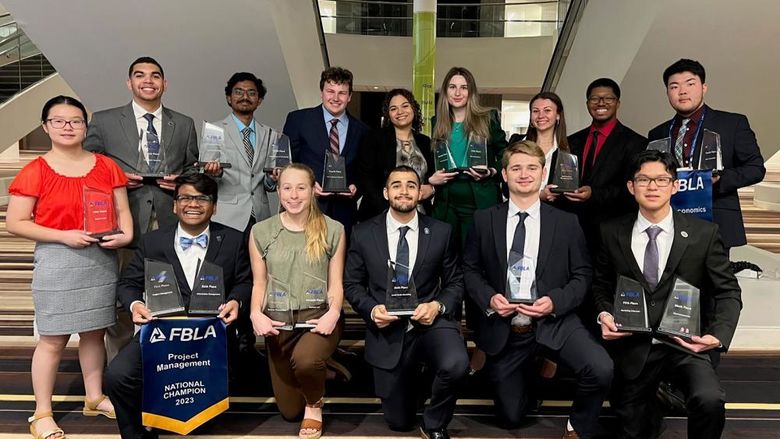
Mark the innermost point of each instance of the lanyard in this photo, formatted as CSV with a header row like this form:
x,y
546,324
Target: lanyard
x,y
695,137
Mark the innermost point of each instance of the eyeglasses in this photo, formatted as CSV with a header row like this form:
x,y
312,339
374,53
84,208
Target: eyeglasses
x,y
643,181
238,92
198,199
76,124
607,99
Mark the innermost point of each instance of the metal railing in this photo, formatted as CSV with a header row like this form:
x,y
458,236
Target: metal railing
x,y
21,62
453,20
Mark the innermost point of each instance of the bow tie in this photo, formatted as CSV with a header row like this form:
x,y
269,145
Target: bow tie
x,y
201,240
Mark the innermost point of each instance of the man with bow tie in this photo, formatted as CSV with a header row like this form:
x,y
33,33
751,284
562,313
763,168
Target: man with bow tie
x,y
185,245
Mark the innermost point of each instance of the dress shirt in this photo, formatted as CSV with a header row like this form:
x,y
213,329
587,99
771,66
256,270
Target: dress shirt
x,y
604,130
252,133
192,258
342,126
142,124
548,163
664,240
531,247
693,125
411,238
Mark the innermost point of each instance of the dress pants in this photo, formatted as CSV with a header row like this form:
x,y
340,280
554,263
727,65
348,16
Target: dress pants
x,y
123,383
635,404
442,350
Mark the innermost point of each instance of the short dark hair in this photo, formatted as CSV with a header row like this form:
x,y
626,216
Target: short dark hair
x,y
403,168
603,82
145,60
201,182
65,100
685,65
336,75
245,76
653,155
416,113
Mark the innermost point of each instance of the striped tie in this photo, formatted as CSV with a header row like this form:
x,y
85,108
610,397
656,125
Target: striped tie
x,y
334,136
680,143
250,152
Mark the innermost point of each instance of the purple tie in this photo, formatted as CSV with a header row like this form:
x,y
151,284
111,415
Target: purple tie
x,y
650,269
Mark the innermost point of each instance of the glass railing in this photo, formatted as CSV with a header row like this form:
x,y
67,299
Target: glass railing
x,y
21,62
513,18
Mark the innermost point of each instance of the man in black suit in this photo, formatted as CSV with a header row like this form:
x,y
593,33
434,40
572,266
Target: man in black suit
x,y
195,238
329,127
548,244
655,247
604,150
425,258
742,162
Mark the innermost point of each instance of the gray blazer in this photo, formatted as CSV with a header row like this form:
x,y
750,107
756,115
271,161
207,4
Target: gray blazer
x,y
114,132
243,186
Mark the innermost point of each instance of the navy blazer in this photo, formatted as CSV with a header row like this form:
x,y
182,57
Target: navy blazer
x,y
743,166
563,272
226,248
436,275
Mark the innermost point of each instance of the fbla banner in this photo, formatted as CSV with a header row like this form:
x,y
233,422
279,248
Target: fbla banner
x,y
184,372
695,194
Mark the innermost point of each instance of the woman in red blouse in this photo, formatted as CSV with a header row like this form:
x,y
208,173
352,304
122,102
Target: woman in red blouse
x,y
75,271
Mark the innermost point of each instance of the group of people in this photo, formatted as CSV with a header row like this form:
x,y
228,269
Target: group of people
x,y
451,235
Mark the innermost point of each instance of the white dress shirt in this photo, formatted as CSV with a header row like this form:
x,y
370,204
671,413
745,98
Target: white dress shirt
x,y
664,240
192,258
142,124
531,247
411,238
548,162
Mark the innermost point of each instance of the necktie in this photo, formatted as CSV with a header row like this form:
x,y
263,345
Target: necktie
x,y
152,143
334,136
402,257
201,240
250,152
590,158
518,243
679,144
650,266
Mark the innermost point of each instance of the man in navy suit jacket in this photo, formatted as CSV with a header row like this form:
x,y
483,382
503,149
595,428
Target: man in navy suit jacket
x,y
742,162
310,131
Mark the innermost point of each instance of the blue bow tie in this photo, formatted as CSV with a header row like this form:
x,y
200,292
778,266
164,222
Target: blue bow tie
x,y
201,240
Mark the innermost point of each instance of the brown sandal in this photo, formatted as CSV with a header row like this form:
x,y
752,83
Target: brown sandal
x,y
91,408
46,434
311,424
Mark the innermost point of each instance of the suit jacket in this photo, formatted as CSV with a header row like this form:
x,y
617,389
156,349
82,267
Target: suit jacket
x,y
114,132
742,163
436,275
242,187
226,249
376,158
563,272
697,256
607,178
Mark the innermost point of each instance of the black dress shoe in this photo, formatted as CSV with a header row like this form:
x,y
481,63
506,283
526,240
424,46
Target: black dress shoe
x,y
439,433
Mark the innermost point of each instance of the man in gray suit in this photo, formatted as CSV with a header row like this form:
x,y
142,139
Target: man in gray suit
x,y
127,134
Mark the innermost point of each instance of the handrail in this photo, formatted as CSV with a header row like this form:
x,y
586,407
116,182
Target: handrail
x,y
564,43
321,34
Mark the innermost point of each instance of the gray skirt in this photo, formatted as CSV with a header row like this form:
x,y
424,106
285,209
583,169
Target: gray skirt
x,y
74,290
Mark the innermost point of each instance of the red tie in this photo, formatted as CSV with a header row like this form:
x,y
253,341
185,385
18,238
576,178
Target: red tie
x,y
334,136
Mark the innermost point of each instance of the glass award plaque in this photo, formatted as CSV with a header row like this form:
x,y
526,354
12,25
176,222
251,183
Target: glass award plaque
x,y
566,173
521,281
209,291
99,213
278,304
681,316
401,294
711,155
212,143
161,290
334,174
314,301
279,153
442,156
630,307
151,165
663,145
477,154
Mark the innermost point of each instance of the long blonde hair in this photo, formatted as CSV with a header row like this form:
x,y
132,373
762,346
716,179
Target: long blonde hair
x,y
477,117
316,229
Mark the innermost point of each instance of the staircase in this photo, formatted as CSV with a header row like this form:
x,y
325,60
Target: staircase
x,y
18,75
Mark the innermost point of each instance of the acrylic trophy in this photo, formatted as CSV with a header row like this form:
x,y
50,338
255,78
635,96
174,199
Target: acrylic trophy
x,y
314,301
278,304
209,291
476,154
279,153
630,307
401,294
334,173
663,145
161,290
99,213
681,316
711,154
566,173
442,156
521,281
212,144
151,164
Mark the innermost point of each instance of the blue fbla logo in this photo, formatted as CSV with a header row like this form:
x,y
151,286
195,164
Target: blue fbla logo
x,y
157,335
691,184
631,294
160,277
209,277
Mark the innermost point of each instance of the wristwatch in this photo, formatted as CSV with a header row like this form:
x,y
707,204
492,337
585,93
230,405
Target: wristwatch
x,y
442,308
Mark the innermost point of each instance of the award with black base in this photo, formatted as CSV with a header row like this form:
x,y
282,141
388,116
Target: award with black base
x,y
681,316
630,307
279,153
566,173
663,145
315,301
442,156
476,154
161,291
334,174
711,155
212,144
521,281
278,304
401,294
151,165
99,213
209,291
